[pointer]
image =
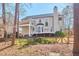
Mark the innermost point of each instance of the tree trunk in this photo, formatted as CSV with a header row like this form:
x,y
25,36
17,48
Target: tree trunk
x,y
17,35
15,23
4,20
76,30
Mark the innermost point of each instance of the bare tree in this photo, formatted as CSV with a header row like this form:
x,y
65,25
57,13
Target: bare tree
x,y
68,15
4,20
21,11
17,21
14,28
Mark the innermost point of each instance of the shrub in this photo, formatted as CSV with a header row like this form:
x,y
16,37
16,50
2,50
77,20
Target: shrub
x,y
45,41
39,40
31,42
60,34
21,42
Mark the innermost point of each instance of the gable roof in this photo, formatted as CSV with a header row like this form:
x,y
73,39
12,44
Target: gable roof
x,y
39,16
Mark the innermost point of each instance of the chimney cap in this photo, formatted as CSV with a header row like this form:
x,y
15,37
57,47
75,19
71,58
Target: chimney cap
x,y
55,8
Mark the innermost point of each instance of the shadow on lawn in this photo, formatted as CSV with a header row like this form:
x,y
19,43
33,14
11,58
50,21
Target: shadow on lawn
x,y
5,47
24,46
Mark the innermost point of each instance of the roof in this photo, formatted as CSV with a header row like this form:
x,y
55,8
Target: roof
x,y
39,16
24,22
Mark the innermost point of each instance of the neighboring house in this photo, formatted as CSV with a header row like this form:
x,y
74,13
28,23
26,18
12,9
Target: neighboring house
x,y
1,31
9,23
43,23
25,27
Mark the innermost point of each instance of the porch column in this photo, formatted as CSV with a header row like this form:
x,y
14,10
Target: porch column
x,y
29,30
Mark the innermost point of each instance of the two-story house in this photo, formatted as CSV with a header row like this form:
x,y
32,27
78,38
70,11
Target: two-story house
x,y
43,24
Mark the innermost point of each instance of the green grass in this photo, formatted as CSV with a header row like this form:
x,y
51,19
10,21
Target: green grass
x,y
50,39
21,42
40,40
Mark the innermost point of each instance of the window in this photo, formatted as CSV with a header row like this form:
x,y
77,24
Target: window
x,y
33,28
40,21
51,29
46,23
38,29
42,29
60,18
33,22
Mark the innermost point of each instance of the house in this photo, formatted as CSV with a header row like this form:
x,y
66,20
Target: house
x,y
43,24
9,23
24,25
1,31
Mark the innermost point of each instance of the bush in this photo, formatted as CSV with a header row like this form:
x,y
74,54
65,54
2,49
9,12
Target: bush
x,y
31,42
23,42
44,41
60,34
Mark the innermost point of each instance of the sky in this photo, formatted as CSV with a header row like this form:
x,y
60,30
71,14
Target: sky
x,y
43,8
37,8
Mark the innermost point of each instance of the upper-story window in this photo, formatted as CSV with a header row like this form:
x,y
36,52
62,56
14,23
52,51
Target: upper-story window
x,y
33,22
60,18
33,28
46,23
40,21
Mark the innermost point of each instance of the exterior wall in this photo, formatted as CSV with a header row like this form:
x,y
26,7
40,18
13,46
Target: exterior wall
x,y
9,23
10,29
1,22
56,23
1,32
61,24
24,24
46,29
25,30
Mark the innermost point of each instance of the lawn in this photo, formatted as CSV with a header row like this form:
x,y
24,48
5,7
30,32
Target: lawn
x,y
22,48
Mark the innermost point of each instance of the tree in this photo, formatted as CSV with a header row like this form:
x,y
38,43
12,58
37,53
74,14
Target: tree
x,y
4,20
68,16
17,33
21,11
14,28
76,30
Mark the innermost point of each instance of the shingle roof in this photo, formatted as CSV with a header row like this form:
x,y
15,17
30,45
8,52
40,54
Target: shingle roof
x,y
39,16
